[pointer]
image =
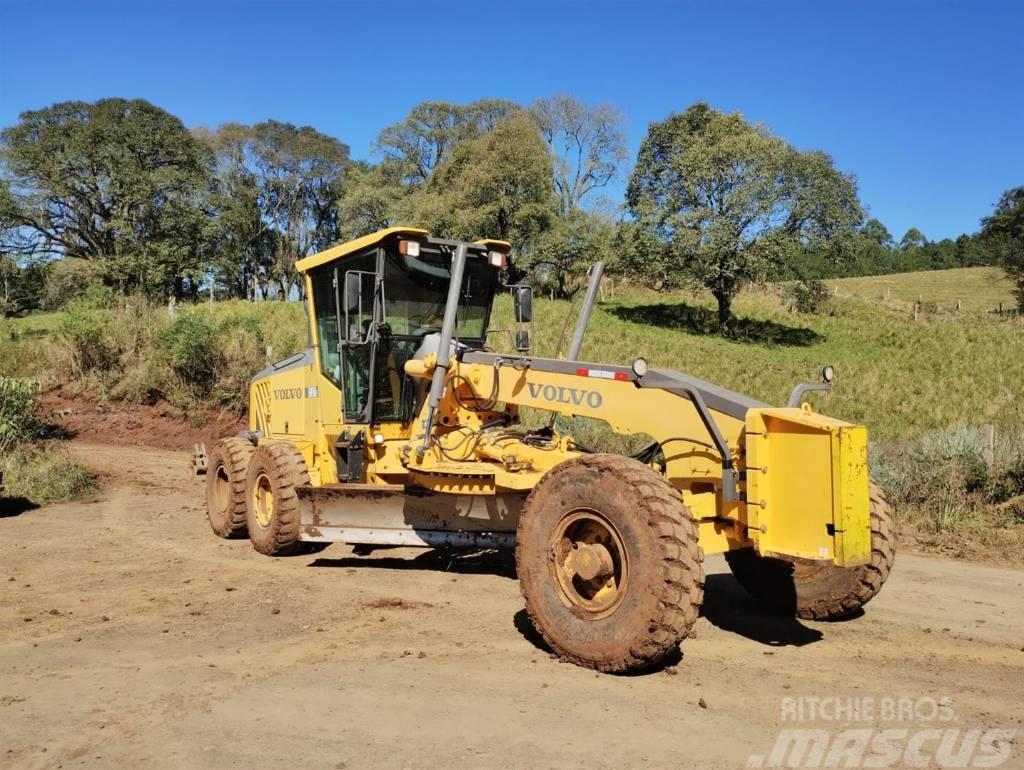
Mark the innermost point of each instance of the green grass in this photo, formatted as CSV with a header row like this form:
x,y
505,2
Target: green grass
x,y
977,289
898,376
36,323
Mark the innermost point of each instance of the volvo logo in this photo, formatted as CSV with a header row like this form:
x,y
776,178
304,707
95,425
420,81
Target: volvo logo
x,y
286,393
563,395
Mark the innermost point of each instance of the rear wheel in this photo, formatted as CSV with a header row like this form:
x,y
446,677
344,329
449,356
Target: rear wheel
x,y
272,504
823,592
225,485
609,564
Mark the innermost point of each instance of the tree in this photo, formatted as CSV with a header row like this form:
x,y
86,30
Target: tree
x,y
587,146
875,231
570,245
1003,234
497,185
424,140
373,198
719,203
279,188
913,239
118,181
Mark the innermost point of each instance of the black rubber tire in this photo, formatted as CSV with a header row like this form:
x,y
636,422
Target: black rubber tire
x,y
665,584
226,472
285,469
821,592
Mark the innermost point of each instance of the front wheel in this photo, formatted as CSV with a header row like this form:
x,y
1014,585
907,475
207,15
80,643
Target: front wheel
x,y
825,592
609,563
272,504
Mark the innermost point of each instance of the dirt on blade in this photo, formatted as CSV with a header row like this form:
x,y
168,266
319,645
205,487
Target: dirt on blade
x,y
130,635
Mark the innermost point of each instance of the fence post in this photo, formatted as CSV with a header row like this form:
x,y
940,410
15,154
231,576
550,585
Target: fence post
x,y
988,452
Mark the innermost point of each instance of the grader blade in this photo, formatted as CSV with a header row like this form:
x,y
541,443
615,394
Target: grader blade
x,y
374,514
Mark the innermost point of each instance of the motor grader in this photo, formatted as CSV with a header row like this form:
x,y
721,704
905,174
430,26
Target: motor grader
x,y
400,426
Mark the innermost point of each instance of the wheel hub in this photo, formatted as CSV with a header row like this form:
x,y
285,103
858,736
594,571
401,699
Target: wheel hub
x,y
589,563
263,500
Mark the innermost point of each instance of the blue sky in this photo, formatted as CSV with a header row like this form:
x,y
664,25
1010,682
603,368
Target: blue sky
x,y
923,101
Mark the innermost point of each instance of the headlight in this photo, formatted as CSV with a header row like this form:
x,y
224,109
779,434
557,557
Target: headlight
x,y
828,373
640,367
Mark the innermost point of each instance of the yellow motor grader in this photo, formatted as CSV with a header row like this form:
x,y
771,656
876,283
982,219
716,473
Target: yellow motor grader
x,y
399,426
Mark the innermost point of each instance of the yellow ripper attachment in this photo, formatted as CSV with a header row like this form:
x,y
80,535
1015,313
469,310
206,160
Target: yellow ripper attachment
x,y
807,486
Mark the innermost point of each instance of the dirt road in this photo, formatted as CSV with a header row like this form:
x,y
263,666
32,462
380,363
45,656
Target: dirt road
x,y
131,637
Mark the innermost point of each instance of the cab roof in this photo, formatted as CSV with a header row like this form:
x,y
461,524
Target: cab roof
x,y
359,244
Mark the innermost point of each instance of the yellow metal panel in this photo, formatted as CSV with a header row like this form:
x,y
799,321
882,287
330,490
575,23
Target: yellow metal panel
x,y
796,494
807,486
852,501
344,249
716,536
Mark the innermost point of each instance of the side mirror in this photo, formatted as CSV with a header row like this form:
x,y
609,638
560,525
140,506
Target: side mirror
x,y
522,299
522,341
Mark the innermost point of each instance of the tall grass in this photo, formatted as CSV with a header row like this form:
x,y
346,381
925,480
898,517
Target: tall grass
x,y
134,351
36,470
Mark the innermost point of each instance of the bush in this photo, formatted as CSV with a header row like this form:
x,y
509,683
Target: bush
x,y
191,343
43,474
808,297
242,355
40,473
19,400
943,476
88,331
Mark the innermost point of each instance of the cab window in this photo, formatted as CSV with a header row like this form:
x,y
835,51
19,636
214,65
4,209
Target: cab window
x,y
327,325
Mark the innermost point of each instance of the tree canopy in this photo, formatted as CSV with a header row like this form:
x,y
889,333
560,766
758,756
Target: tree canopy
x,y
719,203
120,192
278,191
119,181
1003,233
587,145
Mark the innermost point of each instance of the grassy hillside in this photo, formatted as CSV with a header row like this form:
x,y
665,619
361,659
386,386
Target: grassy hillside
x,y
977,289
898,376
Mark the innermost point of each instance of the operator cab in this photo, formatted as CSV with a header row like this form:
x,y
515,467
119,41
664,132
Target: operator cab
x,y
375,305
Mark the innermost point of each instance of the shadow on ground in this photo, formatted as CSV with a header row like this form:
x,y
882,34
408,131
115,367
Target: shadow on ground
x,y
726,604
523,624
484,562
729,607
694,319
15,506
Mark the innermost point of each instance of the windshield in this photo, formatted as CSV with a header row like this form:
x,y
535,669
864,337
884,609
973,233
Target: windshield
x,y
416,289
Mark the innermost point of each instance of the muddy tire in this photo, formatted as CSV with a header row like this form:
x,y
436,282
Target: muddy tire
x,y
609,564
272,505
225,486
821,592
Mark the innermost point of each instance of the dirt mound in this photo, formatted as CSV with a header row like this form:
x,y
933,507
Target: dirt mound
x,y
158,425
